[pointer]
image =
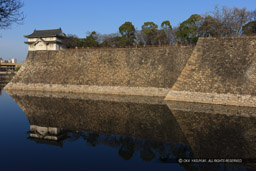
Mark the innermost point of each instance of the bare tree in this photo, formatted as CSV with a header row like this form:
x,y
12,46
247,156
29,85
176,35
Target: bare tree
x,y
140,39
230,20
103,37
240,18
110,40
253,15
10,13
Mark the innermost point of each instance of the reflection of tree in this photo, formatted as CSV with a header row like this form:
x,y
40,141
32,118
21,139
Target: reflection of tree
x,y
147,154
127,148
92,138
182,151
74,136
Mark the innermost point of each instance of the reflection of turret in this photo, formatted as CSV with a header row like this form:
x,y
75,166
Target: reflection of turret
x,y
47,135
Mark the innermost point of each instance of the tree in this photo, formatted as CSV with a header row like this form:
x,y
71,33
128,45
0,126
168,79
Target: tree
x,y
240,17
165,35
210,27
250,28
166,25
188,30
149,29
161,38
127,30
230,20
253,15
10,13
111,42
90,40
139,37
71,41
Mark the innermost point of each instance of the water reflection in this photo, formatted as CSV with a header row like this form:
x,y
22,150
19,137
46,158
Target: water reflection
x,y
131,124
47,135
143,118
4,79
1,87
129,146
144,126
217,131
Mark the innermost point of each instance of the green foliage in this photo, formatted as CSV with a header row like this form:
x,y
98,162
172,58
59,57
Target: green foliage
x,y
188,30
90,41
127,30
71,41
210,27
250,28
161,38
149,29
222,22
17,68
163,35
166,25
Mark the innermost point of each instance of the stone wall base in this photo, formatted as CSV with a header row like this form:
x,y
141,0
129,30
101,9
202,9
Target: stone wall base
x,y
140,91
212,98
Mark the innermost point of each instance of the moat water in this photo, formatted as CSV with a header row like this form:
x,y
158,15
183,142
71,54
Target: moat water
x,y
51,131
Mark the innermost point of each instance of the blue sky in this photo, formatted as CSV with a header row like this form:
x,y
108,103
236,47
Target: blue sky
x,y
103,16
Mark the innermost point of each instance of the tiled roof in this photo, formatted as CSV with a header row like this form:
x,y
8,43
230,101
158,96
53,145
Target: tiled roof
x,y
45,33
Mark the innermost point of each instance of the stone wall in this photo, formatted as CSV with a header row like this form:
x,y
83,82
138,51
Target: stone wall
x,y
219,71
118,70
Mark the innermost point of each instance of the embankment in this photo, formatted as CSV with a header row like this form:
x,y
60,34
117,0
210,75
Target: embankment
x,y
129,71
219,71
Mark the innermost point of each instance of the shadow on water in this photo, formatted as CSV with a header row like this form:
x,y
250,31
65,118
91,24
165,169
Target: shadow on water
x,y
145,126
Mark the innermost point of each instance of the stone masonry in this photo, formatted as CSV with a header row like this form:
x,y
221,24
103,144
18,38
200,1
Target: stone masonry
x,y
129,71
219,71
216,71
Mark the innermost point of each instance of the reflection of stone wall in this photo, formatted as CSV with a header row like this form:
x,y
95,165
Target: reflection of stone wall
x,y
221,67
142,120
124,67
217,135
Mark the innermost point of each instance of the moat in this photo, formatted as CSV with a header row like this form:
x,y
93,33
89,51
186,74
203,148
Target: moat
x,y
61,131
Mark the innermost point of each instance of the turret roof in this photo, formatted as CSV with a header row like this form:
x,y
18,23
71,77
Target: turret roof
x,y
45,33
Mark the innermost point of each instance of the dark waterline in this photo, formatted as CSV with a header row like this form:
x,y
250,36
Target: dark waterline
x,y
117,133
